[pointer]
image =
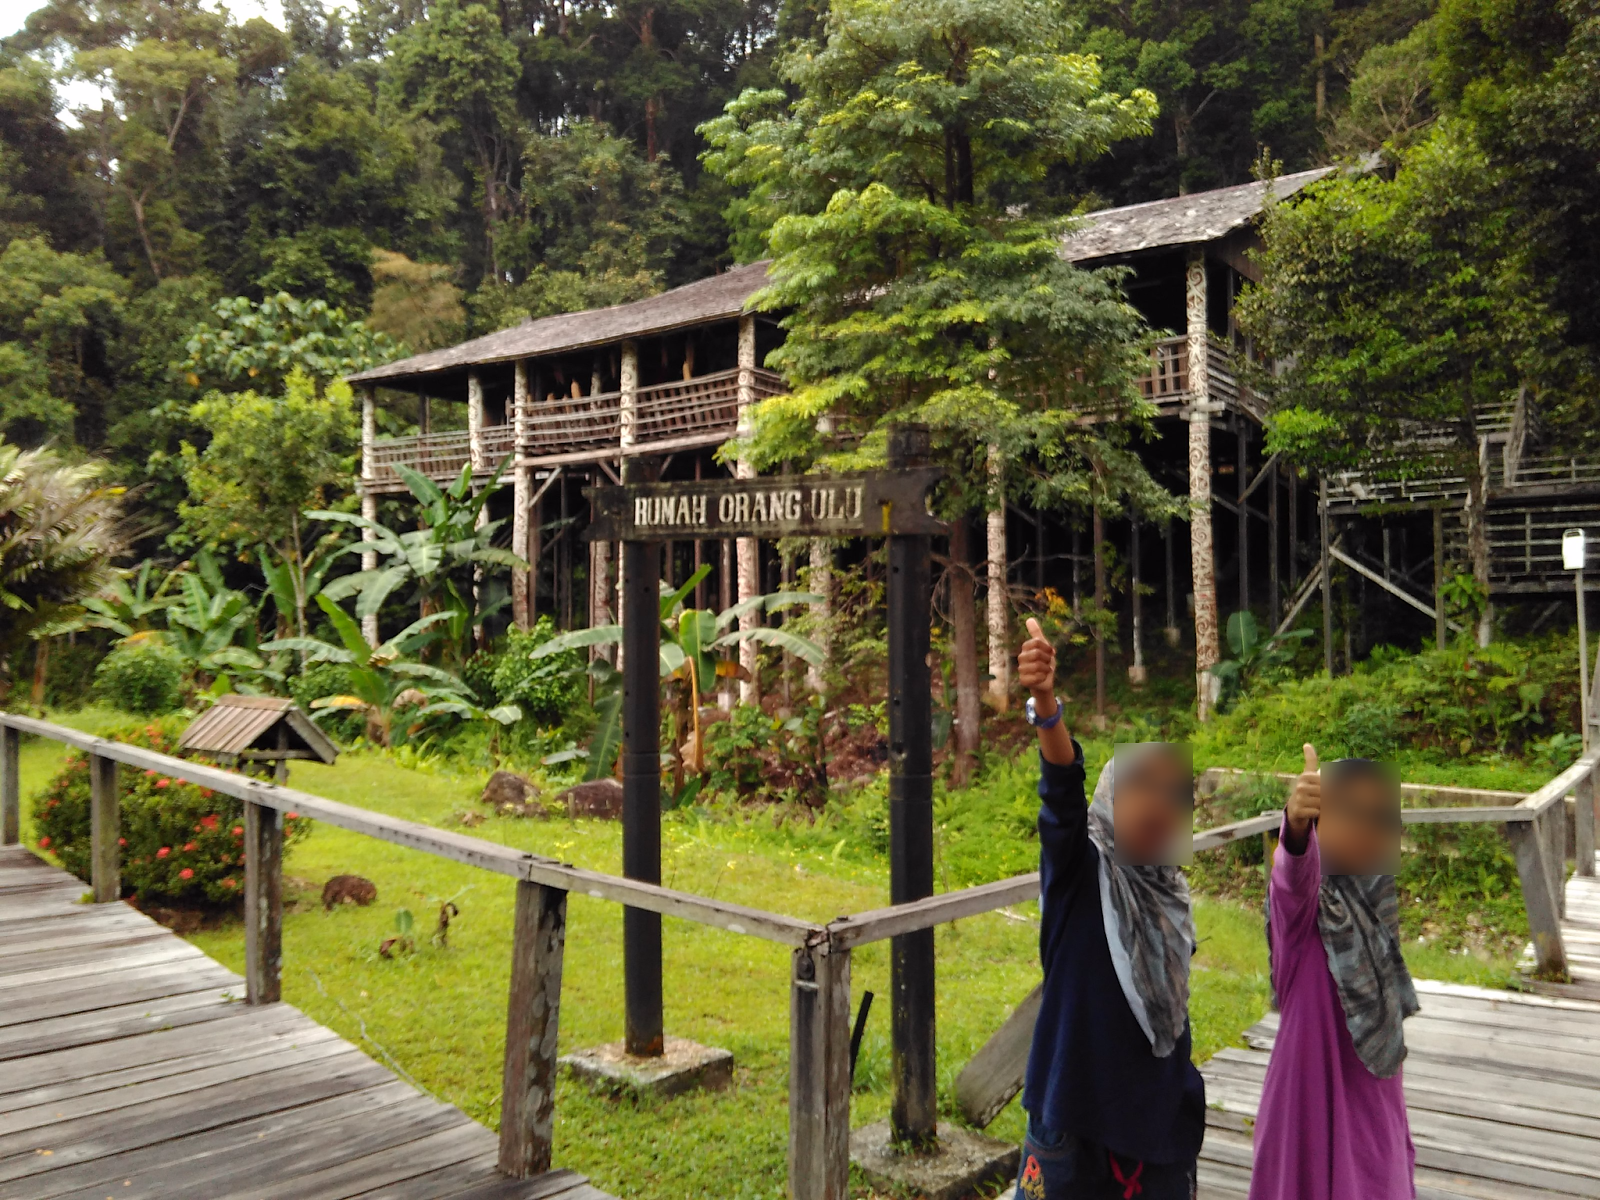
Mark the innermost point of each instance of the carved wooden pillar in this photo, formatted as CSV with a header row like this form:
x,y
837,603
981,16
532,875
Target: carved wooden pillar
x,y
749,549
997,605
475,456
369,498
522,582
1207,651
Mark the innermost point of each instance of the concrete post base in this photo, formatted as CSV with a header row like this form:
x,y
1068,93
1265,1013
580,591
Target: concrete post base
x,y
684,1067
963,1161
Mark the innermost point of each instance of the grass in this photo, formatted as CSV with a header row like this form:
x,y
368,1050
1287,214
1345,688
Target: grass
x,y
439,1015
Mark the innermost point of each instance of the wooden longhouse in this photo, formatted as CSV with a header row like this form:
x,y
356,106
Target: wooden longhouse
x,y
563,401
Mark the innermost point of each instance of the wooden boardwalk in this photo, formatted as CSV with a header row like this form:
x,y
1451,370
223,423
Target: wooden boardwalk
x,y
130,1067
1503,1088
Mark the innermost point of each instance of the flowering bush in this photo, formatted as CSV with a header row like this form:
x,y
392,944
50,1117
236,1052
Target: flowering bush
x,y
179,841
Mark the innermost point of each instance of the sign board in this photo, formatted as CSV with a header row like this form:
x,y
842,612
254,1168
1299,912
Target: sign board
x,y
870,504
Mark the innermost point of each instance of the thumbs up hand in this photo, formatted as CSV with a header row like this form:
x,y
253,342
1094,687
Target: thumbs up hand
x,y
1036,668
1305,800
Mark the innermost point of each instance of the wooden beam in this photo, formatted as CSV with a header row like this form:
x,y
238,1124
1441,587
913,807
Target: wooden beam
x,y
995,1073
881,923
105,826
1438,578
819,1073
263,904
1397,592
10,787
528,1090
1266,470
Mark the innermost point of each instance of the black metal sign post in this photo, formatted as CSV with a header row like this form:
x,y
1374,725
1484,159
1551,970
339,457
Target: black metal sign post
x,y
891,504
913,1112
644,1033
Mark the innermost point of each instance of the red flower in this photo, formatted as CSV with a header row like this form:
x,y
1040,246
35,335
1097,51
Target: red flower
x,y
43,842
149,772
228,883
188,845
208,793
161,783
164,851
209,822
238,831
292,816
122,841
186,873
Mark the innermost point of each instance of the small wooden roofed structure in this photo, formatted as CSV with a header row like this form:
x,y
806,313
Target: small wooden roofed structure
x,y
257,728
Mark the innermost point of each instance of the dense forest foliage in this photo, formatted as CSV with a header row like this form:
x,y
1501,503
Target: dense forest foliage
x,y
248,212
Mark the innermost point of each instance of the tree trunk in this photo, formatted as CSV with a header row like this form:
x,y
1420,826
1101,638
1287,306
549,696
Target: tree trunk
x,y
964,625
1478,548
41,668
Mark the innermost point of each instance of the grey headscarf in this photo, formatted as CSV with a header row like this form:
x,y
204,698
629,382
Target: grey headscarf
x,y
1358,917
1149,928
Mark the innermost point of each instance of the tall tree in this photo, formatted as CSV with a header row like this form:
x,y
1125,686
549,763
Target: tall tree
x,y
893,192
1402,310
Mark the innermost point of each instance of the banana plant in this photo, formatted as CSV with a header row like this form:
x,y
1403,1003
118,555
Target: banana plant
x,y
450,539
293,585
128,602
207,618
379,676
690,639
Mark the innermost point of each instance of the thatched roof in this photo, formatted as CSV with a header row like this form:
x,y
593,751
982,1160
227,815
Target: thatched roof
x,y
1182,220
721,297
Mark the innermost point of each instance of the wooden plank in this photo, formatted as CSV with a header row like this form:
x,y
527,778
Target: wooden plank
x,y
458,1143
41,967
263,904
995,1073
148,1167
1583,823
337,1138
528,1091
119,1021
162,1120
63,1074
88,950
64,998
10,787
557,1185
175,1082
105,825
819,1074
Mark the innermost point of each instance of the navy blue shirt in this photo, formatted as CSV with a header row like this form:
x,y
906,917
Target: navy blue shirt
x,y
1090,1071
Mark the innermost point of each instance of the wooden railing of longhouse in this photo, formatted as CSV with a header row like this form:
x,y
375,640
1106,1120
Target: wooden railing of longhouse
x,y
819,998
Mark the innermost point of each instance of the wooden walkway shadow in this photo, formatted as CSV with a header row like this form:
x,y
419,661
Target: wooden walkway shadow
x,y
1503,1088
130,1067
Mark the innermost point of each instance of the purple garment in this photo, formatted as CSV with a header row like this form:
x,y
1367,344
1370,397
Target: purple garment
x,y
1328,1129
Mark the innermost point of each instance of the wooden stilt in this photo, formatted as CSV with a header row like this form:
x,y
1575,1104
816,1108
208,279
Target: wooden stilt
x,y
1136,672
1099,537
1172,586
1438,578
1327,579
1274,590
1241,436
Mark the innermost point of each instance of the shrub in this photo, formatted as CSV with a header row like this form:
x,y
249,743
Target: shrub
x,y
328,679
141,675
179,842
546,690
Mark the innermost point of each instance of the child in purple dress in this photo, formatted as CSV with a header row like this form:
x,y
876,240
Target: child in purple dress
x,y
1332,1123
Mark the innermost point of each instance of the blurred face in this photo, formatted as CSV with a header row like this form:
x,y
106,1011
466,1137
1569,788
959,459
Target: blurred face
x,y
1359,830
1153,808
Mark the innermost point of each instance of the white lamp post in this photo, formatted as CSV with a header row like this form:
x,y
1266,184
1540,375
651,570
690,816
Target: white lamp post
x,y
1574,554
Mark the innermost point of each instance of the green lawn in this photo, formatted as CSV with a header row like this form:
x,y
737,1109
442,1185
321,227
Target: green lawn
x,y
439,1015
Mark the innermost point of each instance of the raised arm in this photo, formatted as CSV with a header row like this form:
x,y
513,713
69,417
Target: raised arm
x,y
1036,671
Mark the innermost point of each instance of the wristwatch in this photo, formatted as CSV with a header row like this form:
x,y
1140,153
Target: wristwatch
x,y
1039,722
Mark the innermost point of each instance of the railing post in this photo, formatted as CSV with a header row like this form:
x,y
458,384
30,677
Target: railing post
x,y
1555,859
1530,842
819,1074
263,903
528,1089
913,1112
10,786
1584,820
105,826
